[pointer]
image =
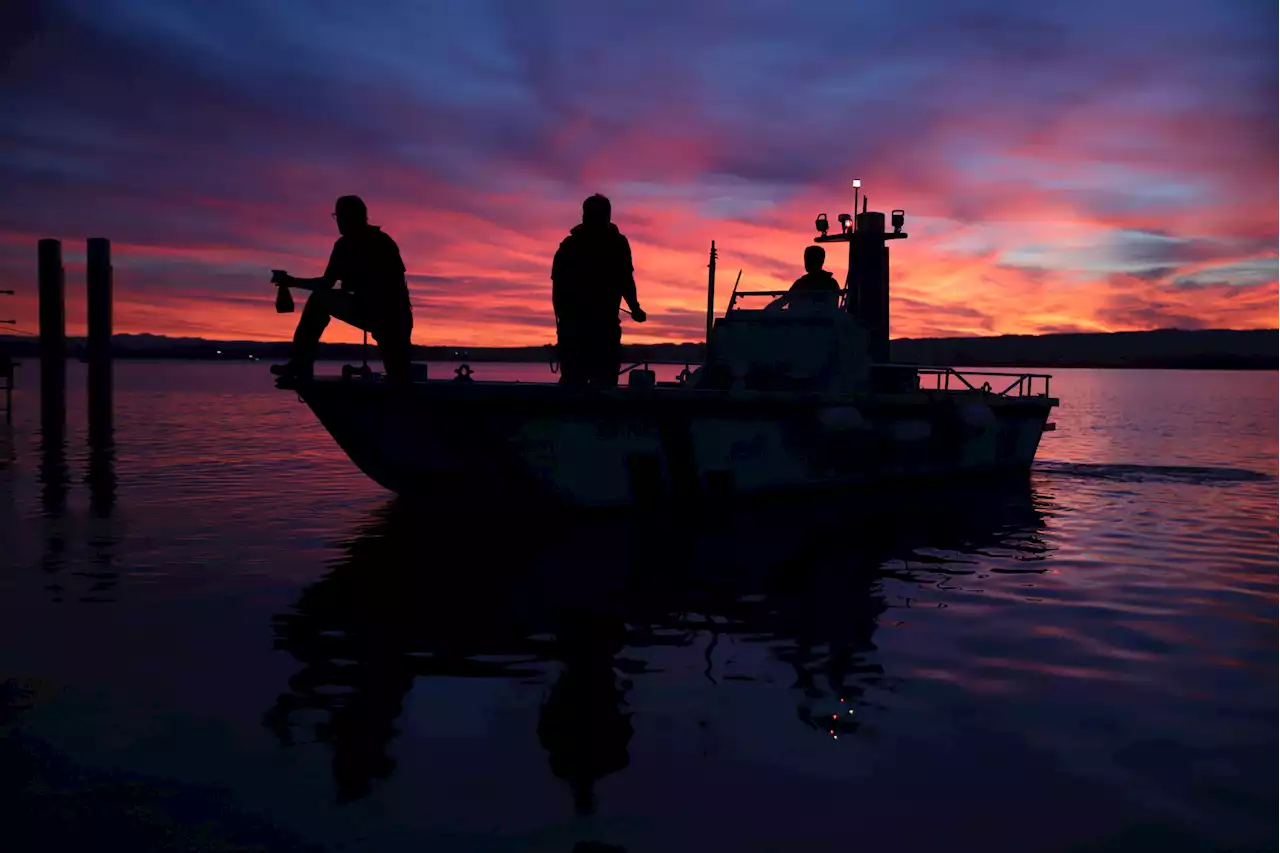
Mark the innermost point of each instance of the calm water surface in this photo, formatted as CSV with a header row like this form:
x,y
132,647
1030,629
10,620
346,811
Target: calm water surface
x,y
216,634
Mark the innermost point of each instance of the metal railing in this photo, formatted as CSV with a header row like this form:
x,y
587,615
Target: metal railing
x,y
1021,384
645,365
733,300
944,378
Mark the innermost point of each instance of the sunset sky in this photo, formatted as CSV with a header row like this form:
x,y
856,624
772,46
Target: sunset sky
x,y
1083,166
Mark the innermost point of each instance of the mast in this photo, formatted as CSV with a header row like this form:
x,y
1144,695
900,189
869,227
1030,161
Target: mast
x,y
711,293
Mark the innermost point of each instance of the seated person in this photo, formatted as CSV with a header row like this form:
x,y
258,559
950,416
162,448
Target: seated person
x,y
374,295
816,289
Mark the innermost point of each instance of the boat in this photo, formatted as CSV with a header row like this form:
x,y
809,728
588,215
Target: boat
x,y
791,400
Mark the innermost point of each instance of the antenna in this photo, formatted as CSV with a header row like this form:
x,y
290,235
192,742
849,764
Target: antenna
x,y
711,293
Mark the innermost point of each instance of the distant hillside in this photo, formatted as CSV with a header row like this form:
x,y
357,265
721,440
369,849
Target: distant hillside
x,y
1166,349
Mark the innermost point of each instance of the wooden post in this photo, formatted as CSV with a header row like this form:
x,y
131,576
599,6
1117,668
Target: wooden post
x,y
53,331
99,280
6,371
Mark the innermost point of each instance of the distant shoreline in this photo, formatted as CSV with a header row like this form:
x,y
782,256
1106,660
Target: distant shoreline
x,y
1206,364
1169,349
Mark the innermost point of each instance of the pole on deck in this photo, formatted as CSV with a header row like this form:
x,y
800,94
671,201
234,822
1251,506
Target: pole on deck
x,y
711,292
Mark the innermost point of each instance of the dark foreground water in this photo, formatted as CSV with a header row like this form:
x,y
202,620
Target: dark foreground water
x,y
215,634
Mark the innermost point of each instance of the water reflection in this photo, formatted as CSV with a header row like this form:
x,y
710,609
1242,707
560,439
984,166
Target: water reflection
x,y
101,477
102,573
55,478
429,591
8,449
582,724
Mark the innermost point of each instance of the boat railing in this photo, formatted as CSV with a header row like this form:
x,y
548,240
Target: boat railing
x,y
950,379
733,299
644,365
944,378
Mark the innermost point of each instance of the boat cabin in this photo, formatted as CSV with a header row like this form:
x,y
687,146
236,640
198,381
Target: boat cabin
x,y
816,348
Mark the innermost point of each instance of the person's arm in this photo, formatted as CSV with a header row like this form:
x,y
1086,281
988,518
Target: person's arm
x,y
557,274
629,283
332,273
319,283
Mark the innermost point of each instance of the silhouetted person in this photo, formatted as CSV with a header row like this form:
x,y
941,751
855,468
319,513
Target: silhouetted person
x,y
817,288
591,274
581,725
374,295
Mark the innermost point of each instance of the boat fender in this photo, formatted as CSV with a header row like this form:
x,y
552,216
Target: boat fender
x,y
841,418
976,416
909,431
641,379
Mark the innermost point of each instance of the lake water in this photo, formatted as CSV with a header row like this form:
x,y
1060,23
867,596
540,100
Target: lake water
x,y
215,633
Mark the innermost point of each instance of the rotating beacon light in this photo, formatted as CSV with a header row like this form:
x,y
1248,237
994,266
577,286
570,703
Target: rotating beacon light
x,y
899,217
846,223
821,224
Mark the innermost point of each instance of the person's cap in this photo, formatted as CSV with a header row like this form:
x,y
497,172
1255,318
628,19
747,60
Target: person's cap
x,y
351,206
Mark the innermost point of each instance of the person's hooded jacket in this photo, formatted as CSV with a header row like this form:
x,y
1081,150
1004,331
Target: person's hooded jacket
x,y
591,274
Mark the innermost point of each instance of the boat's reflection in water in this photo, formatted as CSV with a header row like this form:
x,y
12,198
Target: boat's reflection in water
x,y
423,591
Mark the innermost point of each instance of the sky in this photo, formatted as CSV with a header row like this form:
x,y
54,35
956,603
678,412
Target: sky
x,y
1083,166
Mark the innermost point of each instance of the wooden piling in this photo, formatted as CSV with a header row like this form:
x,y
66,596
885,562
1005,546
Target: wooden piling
x,y
100,280
98,275
7,364
53,328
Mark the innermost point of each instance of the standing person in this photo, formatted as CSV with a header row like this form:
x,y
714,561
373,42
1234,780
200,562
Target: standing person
x,y
374,295
591,274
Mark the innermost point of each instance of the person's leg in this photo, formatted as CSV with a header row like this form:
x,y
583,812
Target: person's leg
x,y
397,354
569,351
606,356
393,332
321,304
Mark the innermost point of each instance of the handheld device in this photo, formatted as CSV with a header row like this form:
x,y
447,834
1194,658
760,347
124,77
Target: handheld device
x,y
284,299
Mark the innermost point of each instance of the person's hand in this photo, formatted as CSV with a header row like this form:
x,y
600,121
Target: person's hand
x,y
638,314
279,277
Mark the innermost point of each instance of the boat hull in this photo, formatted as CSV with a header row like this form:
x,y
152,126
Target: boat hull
x,y
622,447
